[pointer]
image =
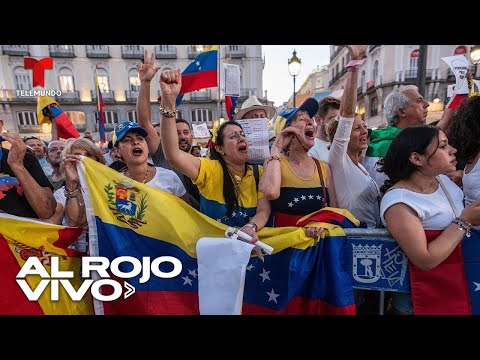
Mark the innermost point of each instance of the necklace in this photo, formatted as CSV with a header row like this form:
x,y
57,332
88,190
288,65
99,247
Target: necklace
x,y
127,173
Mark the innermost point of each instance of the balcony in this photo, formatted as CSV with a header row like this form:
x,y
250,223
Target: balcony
x,y
17,95
247,92
29,128
204,95
235,51
65,51
98,51
337,76
132,52
412,74
108,96
131,96
70,96
335,53
165,52
16,50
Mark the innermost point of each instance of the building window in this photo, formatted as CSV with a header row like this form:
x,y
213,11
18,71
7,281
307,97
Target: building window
x,y
375,70
76,117
134,80
22,79
179,115
66,80
111,117
374,107
27,118
202,115
103,84
362,79
343,63
132,116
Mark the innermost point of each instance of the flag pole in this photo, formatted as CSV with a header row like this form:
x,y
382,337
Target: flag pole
x,y
219,104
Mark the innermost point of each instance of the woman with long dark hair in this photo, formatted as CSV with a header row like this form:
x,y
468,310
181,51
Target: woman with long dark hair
x,y
226,183
464,134
422,208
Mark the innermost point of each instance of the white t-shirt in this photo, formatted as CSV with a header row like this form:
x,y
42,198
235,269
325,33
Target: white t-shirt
x,y
471,184
319,150
168,181
356,191
433,210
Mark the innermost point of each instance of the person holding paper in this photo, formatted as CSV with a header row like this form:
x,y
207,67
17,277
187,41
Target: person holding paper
x,y
294,182
226,183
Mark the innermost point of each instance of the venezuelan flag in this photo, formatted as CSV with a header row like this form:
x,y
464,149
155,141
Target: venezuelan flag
x,y
450,288
127,218
100,106
21,238
65,127
201,73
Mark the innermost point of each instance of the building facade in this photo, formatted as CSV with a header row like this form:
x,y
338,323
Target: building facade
x,y
72,76
389,66
316,82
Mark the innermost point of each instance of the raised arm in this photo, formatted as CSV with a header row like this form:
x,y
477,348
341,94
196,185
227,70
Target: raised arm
x,y
40,198
349,98
171,83
75,205
146,72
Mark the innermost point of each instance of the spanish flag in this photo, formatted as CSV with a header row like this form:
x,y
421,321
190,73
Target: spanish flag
x,y
128,218
21,238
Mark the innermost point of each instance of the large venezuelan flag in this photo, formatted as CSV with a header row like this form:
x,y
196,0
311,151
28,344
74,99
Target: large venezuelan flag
x,y
21,238
127,218
451,288
201,73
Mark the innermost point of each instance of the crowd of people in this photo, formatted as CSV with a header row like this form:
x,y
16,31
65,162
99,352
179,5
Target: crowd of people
x,y
323,155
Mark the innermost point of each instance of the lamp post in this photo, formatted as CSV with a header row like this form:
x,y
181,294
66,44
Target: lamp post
x,y
475,57
294,65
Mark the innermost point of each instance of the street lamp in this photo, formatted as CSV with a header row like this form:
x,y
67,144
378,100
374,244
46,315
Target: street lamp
x,y
475,57
294,65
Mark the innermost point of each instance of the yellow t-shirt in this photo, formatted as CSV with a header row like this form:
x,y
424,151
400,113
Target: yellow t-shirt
x,y
212,202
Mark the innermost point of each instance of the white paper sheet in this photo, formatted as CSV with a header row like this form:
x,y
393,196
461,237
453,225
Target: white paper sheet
x,y
200,130
222,265
256,131
459,66
232,80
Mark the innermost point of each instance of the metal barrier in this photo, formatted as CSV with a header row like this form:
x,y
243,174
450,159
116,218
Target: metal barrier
x,y
377,263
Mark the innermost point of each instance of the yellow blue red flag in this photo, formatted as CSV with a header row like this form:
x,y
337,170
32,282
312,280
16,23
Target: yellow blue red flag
x,y
201,73
128,218
22,238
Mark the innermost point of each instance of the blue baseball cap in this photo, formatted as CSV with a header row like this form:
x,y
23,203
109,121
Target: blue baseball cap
x,y
310,106
125,127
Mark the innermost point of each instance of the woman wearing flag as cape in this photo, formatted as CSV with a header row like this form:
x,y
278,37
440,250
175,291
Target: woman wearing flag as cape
x,y
226,182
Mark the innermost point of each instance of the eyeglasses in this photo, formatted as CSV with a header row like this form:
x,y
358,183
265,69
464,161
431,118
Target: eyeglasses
x,y
54,149
236,135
